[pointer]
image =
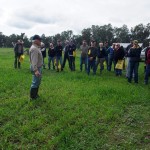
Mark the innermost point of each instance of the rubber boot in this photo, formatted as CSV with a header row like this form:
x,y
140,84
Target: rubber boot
x,y
33,93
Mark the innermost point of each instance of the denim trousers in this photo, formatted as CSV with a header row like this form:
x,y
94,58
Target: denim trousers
x,y
36,81
133,67
91,64
66,57
58,61
51,59
110,61
101,62
83,60
72,63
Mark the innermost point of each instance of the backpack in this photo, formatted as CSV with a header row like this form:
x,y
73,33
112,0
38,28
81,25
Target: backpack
x,y
148,56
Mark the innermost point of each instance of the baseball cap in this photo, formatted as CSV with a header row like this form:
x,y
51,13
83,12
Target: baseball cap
x,y
36,37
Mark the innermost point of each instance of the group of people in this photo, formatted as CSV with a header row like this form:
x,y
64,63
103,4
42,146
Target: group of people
x,y
91,57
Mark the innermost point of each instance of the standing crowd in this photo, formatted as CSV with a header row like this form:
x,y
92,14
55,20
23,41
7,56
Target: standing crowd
x,y
92,57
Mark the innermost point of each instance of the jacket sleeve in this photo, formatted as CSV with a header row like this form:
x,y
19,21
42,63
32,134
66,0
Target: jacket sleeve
x,y
34,59
15,48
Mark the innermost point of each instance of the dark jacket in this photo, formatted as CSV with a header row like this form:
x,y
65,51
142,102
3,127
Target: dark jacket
x,y
127,49
119,54
18,49
71,48
92,52
51,52
134,54
111,52
146,59
43,50
58,50
101,53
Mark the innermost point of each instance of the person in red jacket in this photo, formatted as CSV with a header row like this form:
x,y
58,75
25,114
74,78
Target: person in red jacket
x,y
147,62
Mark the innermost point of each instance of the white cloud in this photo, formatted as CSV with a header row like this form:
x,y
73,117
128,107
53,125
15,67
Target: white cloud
x,y
52,17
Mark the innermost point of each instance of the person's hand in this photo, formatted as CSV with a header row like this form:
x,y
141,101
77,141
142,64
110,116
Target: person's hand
x,y
37,73
91,58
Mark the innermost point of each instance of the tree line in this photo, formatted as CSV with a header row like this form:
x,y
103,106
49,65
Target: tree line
x,y
99,33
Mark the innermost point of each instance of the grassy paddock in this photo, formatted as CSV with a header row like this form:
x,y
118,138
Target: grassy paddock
x,y
74,111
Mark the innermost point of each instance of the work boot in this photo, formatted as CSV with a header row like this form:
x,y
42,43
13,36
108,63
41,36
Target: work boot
x,y
33,93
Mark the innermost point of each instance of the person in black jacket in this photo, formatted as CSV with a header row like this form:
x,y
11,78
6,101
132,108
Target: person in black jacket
x,y
147,62
134,55
118,55
51,56
71,52
66,55
101,54
18,50
92,54
106,49
58,51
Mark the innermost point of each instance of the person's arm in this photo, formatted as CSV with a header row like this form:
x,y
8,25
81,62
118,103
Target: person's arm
x,y
34,59
42,49
15,48
146,55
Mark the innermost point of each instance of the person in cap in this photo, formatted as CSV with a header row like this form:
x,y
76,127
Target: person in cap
x,y
18,50
36,61
134,59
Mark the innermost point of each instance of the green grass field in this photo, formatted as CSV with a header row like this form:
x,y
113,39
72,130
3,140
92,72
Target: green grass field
x,y
74,112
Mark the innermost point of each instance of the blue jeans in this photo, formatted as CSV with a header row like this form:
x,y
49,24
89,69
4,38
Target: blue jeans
x,y
147,72
110,61
66,57
72,63
133,67
106,58
101,62
36,81
91,64
83,60
58,60
49,62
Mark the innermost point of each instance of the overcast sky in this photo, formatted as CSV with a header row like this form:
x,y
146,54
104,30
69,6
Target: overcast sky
x,y
54,16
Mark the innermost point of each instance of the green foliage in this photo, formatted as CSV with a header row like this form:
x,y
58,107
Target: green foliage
x,y
75,111
100,33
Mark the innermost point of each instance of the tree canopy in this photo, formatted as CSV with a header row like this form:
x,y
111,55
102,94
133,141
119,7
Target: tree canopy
x,y
100,33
